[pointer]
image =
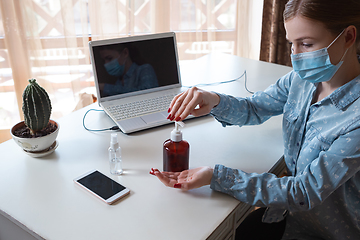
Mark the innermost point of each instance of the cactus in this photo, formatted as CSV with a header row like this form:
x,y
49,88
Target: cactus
x,y
36,107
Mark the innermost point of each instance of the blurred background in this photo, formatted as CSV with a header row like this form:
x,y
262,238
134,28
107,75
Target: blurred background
x,y
48,40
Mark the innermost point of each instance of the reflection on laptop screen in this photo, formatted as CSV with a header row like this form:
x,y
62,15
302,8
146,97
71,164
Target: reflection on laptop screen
x,y
133,66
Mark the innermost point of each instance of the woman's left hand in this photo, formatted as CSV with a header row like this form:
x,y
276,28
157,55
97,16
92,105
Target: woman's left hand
x,y
186,180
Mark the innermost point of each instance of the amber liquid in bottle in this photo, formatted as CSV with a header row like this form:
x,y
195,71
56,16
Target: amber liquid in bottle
x,y
175,156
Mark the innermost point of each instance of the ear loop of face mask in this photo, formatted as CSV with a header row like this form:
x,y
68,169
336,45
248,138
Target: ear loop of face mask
x,y
292,49
335,41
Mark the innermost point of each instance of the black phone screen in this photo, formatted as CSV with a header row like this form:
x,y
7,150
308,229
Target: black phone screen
x,y
100,184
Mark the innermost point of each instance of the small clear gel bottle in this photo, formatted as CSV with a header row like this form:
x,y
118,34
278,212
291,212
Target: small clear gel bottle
x,y
115,156
176,151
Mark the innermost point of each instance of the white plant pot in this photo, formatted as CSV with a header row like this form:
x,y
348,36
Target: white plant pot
x,y
37,144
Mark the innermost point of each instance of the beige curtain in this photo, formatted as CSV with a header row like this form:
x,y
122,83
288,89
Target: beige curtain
x,y
48,40
33,54
197,30
249,23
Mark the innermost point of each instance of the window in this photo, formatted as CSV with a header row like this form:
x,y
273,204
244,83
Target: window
x,y
53,35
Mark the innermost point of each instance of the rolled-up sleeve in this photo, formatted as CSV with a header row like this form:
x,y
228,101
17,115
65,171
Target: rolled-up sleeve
x,y
306,190
255,109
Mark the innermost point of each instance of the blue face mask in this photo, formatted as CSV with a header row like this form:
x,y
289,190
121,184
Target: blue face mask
x,y
316,66
114,68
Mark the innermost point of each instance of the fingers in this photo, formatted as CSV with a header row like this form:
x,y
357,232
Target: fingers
x,y
187,102
180,106
152,172
174,179
185,180
174,101
167,178
163,178
171,108
184,104
173,175
195,178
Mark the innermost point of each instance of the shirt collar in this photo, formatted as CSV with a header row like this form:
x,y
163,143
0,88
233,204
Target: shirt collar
x,y
346,94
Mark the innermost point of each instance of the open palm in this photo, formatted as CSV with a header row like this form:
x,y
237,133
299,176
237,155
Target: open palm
x,y
188,179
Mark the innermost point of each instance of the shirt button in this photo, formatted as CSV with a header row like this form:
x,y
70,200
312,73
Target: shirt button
x,y
297,144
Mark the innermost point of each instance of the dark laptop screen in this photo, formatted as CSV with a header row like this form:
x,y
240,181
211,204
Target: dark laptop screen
x,y
137,65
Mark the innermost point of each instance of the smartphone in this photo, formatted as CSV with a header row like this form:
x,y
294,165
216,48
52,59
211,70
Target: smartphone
x,y
102,186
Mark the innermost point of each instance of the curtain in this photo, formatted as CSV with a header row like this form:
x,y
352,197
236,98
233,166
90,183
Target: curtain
x,y
274,46
249,21
48,40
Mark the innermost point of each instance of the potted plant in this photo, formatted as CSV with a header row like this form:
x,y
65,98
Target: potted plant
x,y
36,135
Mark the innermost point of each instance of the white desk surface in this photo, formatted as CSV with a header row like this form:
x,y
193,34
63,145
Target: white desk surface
x,y
39,193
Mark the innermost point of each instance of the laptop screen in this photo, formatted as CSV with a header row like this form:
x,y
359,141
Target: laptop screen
x,y
136,65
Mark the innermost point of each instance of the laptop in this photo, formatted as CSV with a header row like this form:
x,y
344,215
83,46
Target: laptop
x,y
136,78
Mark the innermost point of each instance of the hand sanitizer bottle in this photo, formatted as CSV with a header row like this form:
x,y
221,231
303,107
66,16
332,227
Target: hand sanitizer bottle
x,y
115,156
176,151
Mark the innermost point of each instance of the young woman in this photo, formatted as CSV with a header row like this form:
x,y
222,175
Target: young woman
x,y
319,100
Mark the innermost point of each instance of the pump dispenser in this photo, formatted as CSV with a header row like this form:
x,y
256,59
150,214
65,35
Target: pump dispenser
x,y
176,151
115,156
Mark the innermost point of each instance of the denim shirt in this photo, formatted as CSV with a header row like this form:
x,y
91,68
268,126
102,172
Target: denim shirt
x,y
321,151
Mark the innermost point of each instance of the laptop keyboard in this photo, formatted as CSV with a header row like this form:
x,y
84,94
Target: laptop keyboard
x,y
139,108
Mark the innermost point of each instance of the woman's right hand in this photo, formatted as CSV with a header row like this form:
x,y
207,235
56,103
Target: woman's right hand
x,y
186,103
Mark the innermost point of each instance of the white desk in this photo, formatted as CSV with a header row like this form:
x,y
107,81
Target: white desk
x,y
39,195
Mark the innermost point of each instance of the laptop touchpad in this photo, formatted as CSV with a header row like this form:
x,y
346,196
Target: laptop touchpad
x,y
155,117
